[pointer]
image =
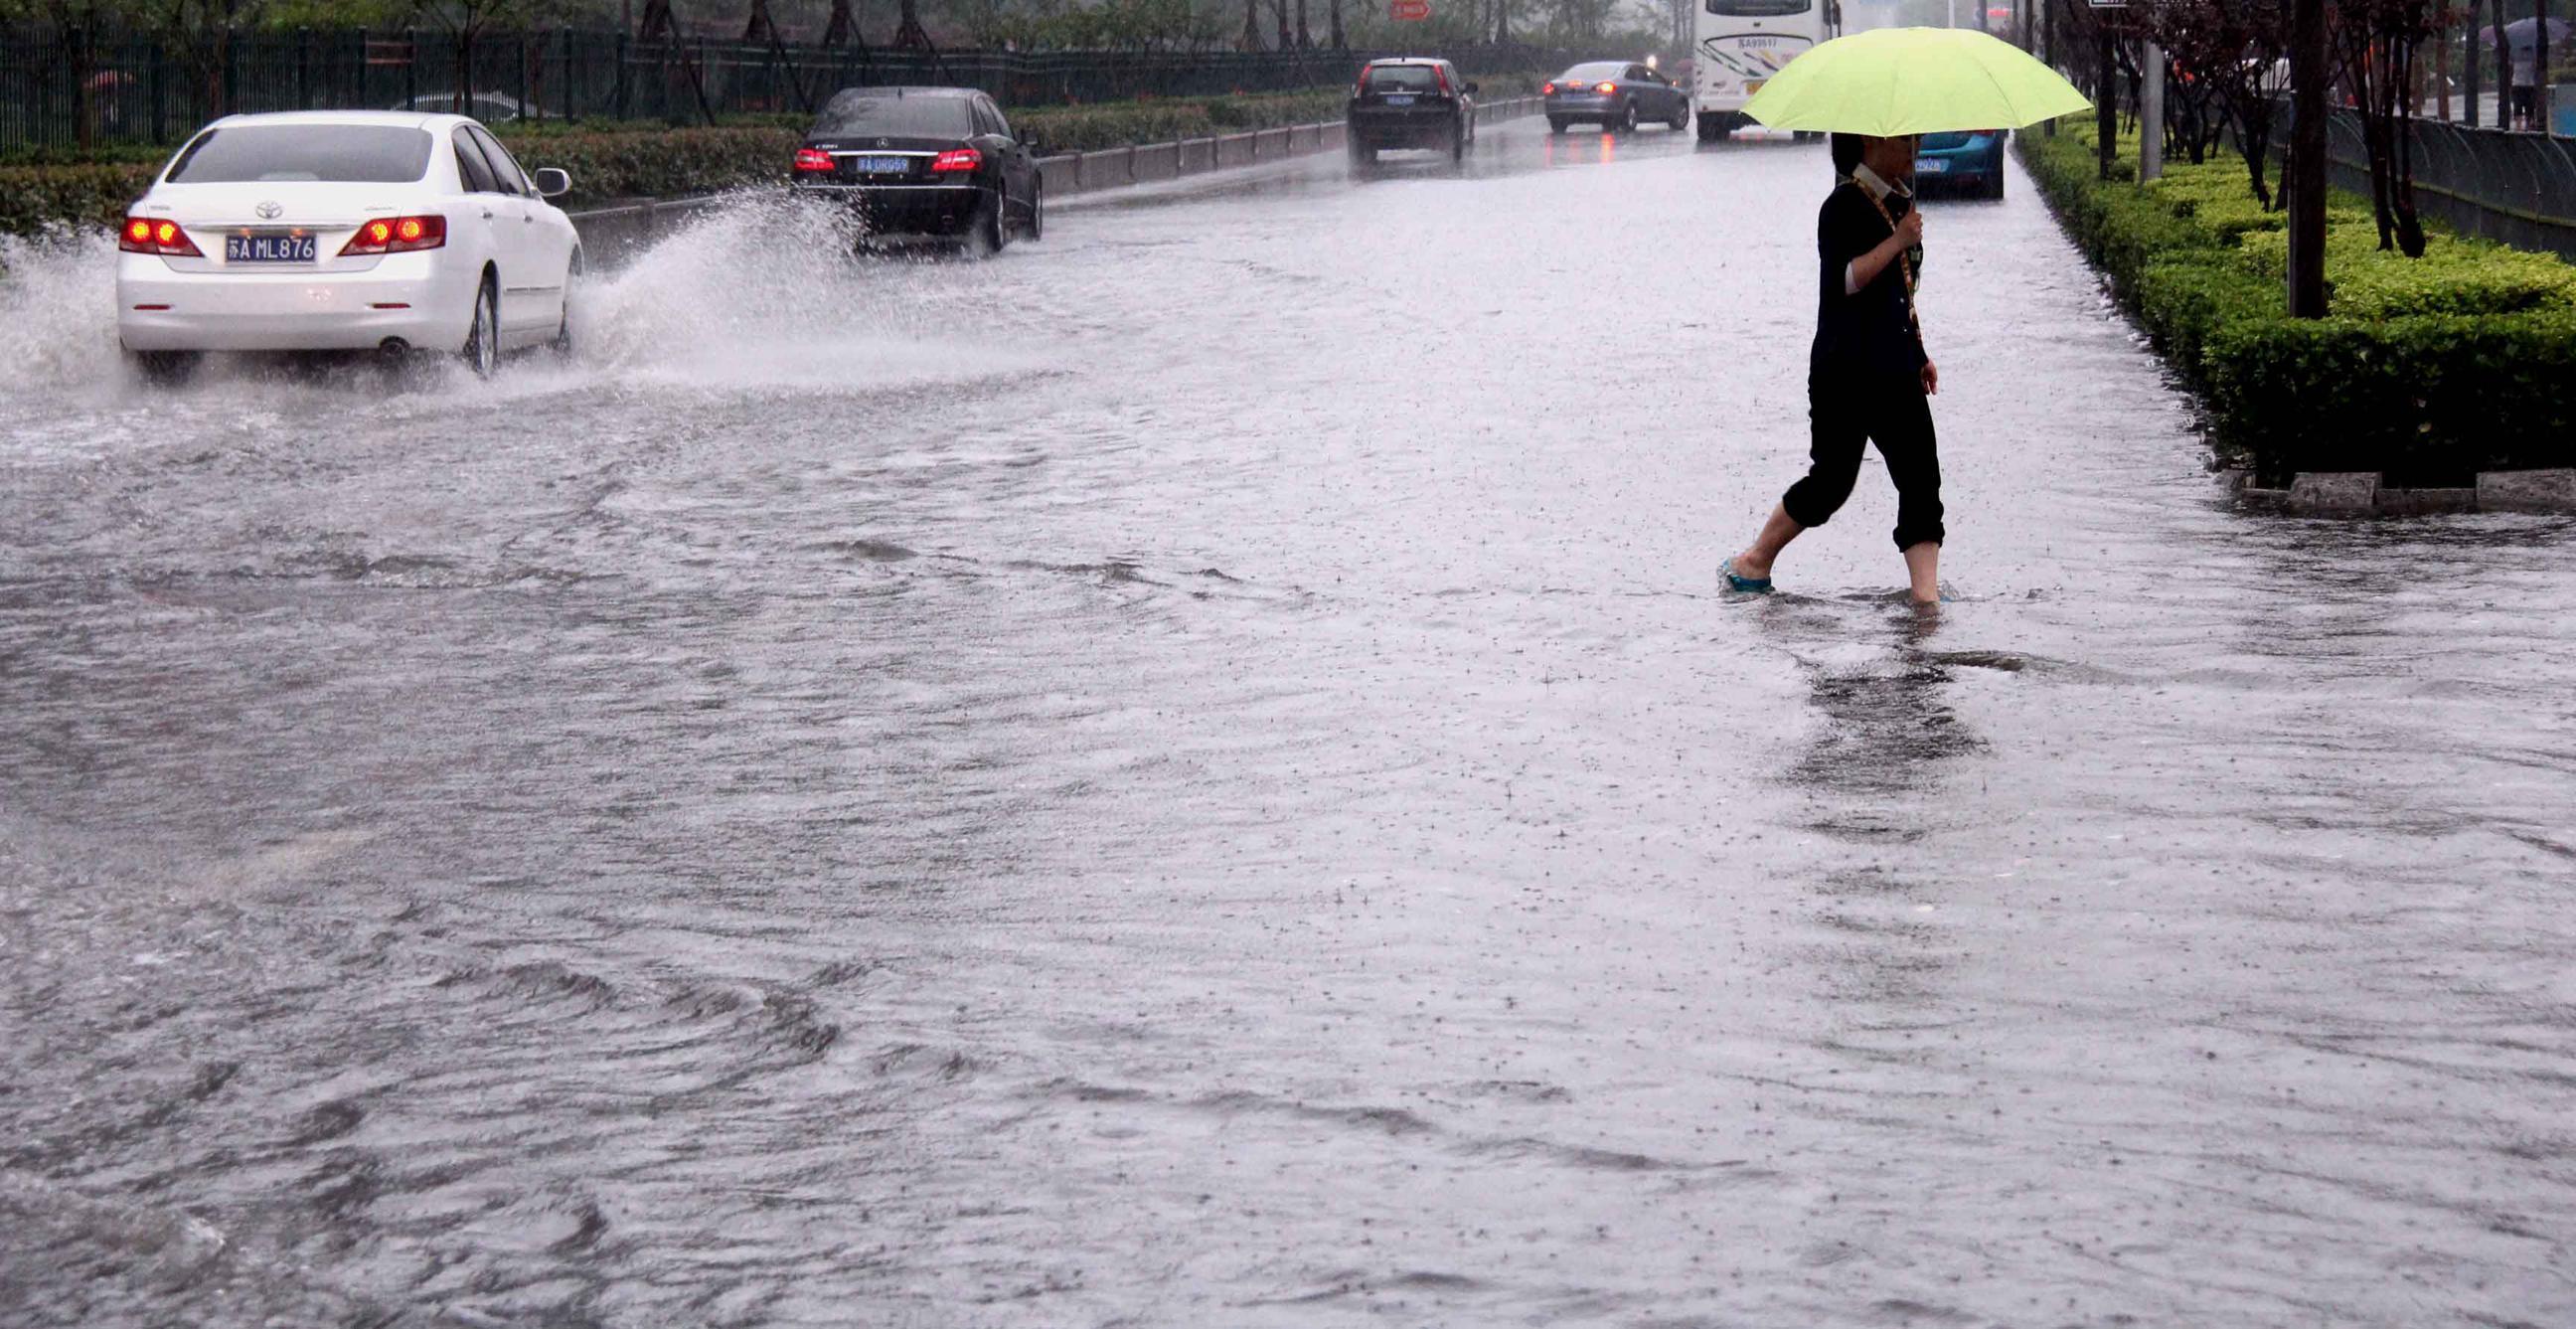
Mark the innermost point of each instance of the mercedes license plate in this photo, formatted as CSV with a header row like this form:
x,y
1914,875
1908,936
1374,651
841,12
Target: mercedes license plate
x,y
269,249
882,165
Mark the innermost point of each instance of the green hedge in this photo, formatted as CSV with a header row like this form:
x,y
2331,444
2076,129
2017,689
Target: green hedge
x,y
629,160
2428,370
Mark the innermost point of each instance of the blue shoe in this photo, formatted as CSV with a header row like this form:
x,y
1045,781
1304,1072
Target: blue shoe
x,y
1738,582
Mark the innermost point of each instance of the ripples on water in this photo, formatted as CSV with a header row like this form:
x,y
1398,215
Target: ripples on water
x,y
1192,774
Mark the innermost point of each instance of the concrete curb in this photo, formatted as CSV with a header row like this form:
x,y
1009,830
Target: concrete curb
x,y
2364,494
1149,163
611,235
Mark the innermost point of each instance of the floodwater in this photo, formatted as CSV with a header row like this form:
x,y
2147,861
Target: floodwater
x,y
1194,774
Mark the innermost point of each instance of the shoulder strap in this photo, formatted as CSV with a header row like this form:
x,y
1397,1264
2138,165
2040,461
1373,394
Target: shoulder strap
x,y
1904,263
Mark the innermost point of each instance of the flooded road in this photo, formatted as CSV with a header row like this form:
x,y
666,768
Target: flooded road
x,y
1195,774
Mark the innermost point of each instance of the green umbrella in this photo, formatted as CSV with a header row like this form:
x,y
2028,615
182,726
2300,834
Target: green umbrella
x,y
1890,82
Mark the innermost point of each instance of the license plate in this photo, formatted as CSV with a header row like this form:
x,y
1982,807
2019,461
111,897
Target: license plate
x,y
1400,99
1932,166
882,165
269,248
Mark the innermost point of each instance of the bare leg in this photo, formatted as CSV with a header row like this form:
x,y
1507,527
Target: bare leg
x,y
1776,535
1923,568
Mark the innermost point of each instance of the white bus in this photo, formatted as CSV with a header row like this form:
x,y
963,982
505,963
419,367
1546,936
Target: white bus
x,y
1742,43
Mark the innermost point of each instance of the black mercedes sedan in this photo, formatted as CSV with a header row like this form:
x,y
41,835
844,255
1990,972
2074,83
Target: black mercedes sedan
x,y
925,163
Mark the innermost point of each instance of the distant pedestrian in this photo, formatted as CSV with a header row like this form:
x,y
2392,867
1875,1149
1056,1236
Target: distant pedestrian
x,y
1868,377
2526,86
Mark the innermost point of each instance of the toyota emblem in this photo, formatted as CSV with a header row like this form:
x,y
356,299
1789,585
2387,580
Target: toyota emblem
x,y
269,211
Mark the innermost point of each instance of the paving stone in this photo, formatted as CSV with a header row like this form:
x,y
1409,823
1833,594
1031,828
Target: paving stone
x,y
2335,493
2527,491
2426,502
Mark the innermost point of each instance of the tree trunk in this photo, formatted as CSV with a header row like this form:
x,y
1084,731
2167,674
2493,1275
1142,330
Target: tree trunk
x,y
908,33
2307,173
2401,192
80,53
841,27
1333,15
1252,25
2442,76
1305,41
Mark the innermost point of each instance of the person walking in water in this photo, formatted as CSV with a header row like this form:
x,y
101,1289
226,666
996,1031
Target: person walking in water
x,y
1868,377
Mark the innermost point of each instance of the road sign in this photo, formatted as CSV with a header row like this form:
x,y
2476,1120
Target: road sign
x,y
1408,11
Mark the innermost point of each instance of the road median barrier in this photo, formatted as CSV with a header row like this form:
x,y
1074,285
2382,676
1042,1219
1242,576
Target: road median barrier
x,y
1073,173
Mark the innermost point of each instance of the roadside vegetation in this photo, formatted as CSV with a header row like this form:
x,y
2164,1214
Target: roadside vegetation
x,y
2430,368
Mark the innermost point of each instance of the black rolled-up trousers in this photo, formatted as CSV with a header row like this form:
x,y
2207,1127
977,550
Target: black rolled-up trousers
x,y
1846,413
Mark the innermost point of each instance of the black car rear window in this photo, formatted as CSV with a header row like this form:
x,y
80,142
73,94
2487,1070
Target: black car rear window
x,y
1593,72
366,154
1402,78
904,117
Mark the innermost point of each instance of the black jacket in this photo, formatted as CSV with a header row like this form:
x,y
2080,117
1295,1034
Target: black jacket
x,y
1870,334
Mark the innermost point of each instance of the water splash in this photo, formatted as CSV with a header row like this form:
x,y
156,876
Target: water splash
x,y
760,293
58,314
764,292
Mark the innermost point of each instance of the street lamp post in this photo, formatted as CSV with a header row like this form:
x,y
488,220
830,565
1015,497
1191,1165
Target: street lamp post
x,y
2151,112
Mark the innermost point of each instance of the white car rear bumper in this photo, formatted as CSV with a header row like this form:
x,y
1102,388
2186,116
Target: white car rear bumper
x,y
402,297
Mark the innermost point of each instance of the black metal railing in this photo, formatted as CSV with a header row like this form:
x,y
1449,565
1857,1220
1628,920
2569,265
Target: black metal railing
x,y
2511,186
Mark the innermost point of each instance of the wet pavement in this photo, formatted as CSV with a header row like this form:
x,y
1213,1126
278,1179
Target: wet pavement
x,y
1195,774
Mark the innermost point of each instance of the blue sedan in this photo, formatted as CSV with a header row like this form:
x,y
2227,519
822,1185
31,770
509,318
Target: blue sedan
x,y
1971,163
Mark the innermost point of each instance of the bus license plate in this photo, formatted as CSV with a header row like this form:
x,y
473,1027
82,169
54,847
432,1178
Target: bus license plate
x,y
269,249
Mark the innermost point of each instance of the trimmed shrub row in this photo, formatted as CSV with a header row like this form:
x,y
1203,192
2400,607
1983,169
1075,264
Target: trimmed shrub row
x,y
2429,370
630,160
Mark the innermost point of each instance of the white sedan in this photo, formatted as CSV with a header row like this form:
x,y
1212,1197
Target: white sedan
x,y
345,230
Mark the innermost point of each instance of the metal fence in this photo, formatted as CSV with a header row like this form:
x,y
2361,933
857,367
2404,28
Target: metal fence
x,y
136,91
2514,187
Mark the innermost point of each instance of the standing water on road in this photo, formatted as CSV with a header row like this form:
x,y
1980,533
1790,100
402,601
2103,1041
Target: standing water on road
x,y
1195,774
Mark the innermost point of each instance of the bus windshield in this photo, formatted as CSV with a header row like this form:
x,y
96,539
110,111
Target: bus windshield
x,y
1758,8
